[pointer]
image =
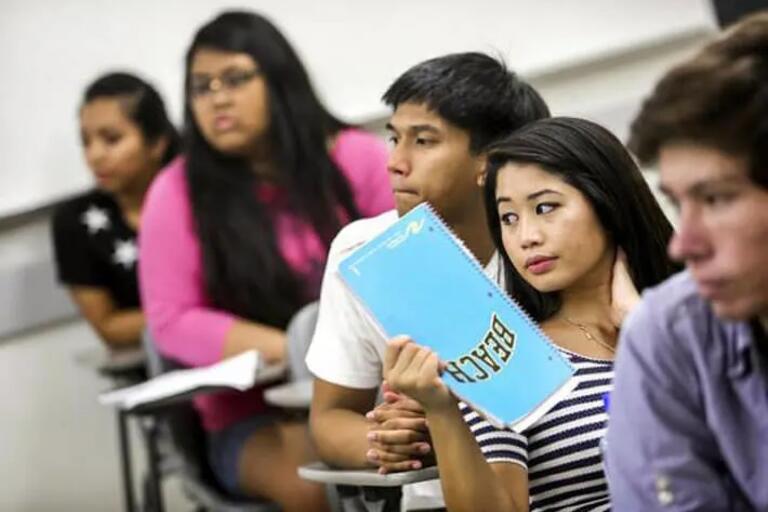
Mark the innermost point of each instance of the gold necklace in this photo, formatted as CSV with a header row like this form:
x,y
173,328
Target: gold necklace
x,y
590,337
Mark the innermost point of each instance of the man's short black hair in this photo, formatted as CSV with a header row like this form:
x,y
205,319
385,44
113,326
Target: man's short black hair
x,y
718,99
473,91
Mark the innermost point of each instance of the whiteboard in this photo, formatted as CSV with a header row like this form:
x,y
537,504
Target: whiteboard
x,y
50,50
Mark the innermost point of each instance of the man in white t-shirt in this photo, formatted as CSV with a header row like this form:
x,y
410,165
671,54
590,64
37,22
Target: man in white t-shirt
x,y
445,113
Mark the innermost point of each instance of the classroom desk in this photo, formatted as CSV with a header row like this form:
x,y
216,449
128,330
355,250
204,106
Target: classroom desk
x,y
319,472
385,488
112,363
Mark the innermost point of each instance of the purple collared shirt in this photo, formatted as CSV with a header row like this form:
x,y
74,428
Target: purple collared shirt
x,y
688,425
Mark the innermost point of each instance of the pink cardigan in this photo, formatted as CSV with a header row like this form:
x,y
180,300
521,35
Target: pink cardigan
x,y
181,319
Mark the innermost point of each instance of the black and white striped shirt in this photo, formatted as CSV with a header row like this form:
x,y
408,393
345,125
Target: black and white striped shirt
x,y
561,451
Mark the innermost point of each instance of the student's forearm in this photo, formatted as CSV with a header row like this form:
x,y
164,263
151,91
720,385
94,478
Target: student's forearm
x,y
340,437
121,329
243,336
468,481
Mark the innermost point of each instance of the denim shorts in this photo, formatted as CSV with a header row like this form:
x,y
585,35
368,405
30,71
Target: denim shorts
x,y
225,447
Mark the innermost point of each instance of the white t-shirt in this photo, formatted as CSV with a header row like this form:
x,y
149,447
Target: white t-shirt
x,y
348,347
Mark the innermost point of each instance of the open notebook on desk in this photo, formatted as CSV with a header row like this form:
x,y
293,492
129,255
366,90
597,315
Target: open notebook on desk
x,y
416,278
236,373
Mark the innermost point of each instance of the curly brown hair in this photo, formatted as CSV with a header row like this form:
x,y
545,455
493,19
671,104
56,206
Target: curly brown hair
x,y
719,99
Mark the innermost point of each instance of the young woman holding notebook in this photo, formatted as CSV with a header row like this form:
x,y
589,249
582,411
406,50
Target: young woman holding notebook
x,y
236,235
580,234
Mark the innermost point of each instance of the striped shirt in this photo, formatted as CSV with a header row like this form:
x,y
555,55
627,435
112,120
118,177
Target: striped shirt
x,y
561,451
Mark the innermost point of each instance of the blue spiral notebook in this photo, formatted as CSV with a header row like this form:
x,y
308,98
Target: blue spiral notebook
x,y
417,278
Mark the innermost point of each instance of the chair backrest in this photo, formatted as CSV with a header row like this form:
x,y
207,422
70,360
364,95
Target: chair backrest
x,y
155,363
299,334
182,421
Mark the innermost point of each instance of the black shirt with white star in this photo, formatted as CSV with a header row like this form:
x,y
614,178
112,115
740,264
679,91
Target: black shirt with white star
x,y
94,246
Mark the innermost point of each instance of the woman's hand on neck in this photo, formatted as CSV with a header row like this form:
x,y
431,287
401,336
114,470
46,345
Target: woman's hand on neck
x,y
609,294
624,295
583,319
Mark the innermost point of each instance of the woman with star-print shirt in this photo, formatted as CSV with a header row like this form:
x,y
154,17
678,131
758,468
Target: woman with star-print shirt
x,y
126,139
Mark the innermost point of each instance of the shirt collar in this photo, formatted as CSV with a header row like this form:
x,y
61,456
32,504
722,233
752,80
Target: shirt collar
x,y
741,346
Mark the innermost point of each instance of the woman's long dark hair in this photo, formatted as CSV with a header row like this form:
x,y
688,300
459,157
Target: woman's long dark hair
x,y
144,107
245,272
589,158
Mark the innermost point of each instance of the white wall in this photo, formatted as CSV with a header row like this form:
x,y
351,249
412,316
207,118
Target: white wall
x,y
50,49
607,91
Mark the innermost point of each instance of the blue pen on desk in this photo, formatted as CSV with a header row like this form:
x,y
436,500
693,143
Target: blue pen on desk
x,y
607,406
607,401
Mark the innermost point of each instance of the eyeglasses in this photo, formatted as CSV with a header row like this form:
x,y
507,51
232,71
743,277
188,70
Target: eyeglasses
x,y
202,86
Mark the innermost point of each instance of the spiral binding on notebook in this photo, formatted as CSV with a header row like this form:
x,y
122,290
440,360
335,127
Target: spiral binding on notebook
x,y
503,293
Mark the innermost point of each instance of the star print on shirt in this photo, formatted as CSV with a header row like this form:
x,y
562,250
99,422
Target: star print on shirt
x,y
126,253
96,219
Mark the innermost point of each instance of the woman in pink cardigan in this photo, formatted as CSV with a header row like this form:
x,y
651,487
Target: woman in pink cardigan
x,y
235,235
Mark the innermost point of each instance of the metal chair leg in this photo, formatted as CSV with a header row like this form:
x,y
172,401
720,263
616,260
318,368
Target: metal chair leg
x,y
390,497
125,461
153,490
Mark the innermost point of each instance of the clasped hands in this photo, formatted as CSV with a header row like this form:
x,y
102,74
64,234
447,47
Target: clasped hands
x,y
398,434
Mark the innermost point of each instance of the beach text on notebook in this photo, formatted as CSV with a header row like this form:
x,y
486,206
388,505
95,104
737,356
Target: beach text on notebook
x,y
417,278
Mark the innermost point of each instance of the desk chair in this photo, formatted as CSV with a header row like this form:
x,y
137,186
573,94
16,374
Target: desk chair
x,y
124,367
187,436
300,330
348,490
293,395
180,420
